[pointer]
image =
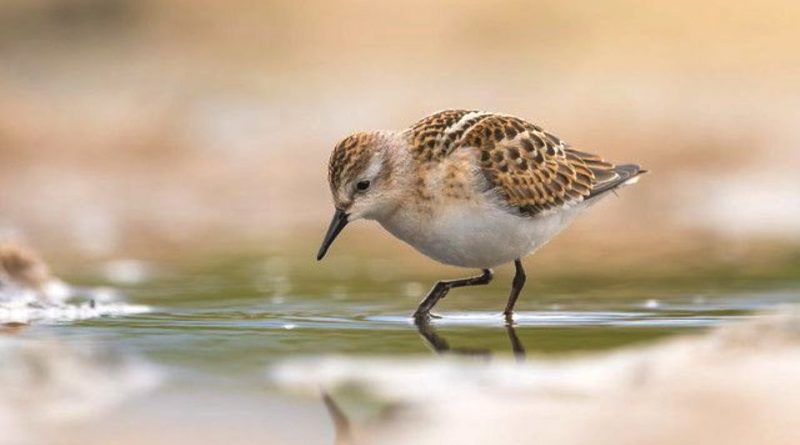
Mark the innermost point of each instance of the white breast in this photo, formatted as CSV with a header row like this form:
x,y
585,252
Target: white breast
x,y
477,234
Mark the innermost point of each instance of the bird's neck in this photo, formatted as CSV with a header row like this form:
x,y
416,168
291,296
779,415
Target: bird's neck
x,y
406,178
400,173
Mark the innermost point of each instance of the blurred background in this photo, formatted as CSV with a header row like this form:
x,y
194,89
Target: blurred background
x,y
150,127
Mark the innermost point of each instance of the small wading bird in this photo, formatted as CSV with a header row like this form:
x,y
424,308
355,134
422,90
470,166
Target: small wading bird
x,y
22,270
468,189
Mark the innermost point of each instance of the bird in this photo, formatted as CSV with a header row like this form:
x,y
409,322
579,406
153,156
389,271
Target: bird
x,y
467,188
21,268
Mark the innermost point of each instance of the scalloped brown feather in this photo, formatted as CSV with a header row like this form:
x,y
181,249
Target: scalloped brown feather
x,y
530,169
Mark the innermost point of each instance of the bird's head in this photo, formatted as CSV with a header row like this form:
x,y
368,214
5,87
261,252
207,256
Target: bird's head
x,y
361,175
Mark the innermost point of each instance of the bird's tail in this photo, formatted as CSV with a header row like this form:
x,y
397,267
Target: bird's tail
x,y
607,176
617,176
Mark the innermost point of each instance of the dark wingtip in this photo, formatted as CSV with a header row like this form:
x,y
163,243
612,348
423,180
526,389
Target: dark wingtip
x,y
625,172
628,171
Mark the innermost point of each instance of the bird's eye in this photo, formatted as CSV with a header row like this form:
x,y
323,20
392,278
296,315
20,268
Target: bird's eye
x,y
362,185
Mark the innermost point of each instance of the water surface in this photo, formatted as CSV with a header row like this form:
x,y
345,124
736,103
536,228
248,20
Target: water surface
x,y
213,332
234,319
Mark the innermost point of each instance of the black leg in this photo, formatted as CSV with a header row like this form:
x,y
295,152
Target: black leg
x,y
441,288
516,287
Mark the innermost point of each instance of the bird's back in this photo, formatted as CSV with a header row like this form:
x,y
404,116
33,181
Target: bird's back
x,y
528,170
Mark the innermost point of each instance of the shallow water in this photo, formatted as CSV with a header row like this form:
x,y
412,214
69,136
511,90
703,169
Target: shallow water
x,y
233,322
216,331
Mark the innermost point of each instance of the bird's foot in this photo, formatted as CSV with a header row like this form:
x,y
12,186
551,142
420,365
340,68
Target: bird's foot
x,y
425,316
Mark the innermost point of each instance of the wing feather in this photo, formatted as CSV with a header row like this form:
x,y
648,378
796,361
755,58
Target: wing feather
x,y
533,171
530,170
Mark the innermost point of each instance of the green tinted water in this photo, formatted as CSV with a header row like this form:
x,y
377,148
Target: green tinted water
x,y
224,321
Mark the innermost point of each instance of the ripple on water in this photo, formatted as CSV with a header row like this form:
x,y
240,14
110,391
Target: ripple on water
x,y
60,302
68,312
677,314
566,319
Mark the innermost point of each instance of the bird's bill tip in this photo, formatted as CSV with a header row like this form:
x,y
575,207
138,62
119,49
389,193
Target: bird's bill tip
x,y
340,219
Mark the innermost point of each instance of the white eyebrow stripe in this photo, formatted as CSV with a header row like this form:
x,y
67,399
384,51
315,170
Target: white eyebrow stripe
x,y
373,167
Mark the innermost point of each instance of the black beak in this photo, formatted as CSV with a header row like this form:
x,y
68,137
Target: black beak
x,y
337,224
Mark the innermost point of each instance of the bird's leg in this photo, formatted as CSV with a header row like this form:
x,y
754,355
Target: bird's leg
x,y
516,287
441,288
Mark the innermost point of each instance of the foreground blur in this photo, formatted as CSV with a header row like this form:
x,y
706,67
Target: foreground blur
x,y
736,385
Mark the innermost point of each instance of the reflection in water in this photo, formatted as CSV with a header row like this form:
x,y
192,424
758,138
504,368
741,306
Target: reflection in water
x,y
341,424
441,346
344,430
516,344
708,388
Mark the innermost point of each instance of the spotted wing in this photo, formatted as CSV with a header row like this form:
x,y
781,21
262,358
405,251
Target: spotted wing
x,y
533,171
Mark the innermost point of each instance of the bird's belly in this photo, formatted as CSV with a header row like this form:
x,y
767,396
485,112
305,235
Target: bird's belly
x,y
476,236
